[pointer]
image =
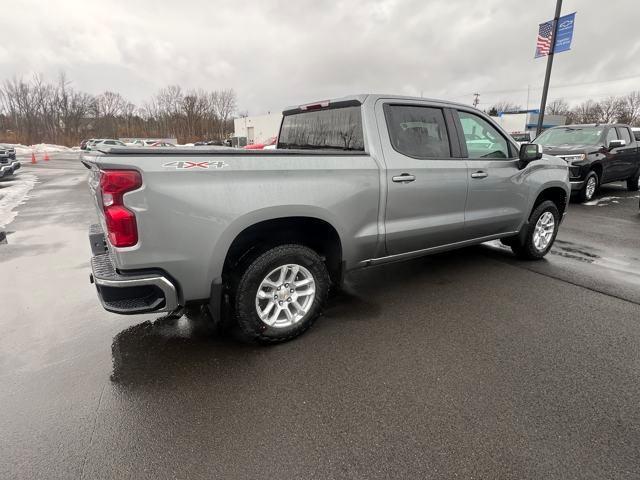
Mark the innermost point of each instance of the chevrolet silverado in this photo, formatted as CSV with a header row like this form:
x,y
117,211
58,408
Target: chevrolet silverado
x,y
596,154
354,182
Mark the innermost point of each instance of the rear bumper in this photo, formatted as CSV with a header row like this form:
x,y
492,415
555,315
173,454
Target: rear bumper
x,y
129,293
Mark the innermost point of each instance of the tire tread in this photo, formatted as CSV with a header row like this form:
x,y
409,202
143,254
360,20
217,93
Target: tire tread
x,y
526,250
243,294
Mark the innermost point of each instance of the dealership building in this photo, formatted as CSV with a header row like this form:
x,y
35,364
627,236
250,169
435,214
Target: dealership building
x,y
256,129
525,122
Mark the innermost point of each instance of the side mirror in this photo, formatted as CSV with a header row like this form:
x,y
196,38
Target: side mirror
x,y
529,152
616,144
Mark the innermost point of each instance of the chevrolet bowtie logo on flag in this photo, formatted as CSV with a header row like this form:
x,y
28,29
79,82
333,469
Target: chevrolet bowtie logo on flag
x,y
563,37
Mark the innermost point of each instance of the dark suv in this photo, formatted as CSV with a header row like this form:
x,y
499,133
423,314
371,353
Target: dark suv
x,y
596,154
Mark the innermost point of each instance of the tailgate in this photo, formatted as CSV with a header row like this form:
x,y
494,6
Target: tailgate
x,y
94,182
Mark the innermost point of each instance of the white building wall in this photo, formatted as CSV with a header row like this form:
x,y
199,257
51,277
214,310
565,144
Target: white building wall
x,y
257,128
527,122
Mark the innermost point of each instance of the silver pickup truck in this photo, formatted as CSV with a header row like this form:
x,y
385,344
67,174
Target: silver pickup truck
x,y
354,182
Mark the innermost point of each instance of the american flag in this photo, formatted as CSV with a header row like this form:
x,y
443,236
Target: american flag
x,y
545,34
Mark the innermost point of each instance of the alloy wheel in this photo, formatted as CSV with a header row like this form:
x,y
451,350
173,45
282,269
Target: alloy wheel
x,y
285,295
543,231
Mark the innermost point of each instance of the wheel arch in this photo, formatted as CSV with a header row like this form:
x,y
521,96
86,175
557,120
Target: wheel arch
x,y
558,194
312,226
598,168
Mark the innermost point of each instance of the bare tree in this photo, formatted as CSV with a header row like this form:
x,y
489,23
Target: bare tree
x,y
586,112
504,106
225,104
609,109
558,106
630,109
36,110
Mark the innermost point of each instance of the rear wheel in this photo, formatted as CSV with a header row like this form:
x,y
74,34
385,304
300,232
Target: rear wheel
x,y
590,186
280,293
540,232
633,183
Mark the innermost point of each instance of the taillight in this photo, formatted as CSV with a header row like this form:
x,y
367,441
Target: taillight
x,y
121,222
314,106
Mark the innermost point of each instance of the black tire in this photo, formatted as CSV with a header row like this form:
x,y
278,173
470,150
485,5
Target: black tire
x,y
249,327
584,195
633,183
526,249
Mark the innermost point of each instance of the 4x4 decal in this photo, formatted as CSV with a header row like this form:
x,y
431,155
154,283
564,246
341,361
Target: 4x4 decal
x,y
184,164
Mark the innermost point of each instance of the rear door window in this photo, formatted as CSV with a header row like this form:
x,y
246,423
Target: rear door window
x,y
418,132
623,133
333,128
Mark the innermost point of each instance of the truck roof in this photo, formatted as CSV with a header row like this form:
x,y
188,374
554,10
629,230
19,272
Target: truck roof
x,y
578,125
360,99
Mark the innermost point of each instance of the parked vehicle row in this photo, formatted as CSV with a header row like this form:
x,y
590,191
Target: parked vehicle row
x,y
97,143
596,154
150,143
355,182
206,143
8,163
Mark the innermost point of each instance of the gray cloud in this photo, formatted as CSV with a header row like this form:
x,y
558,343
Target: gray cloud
x,y
276,53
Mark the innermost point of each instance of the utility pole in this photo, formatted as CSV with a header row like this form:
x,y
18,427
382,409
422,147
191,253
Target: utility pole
x,y
476,100
547,75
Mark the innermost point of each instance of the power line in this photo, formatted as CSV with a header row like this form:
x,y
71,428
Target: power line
x,y
562,85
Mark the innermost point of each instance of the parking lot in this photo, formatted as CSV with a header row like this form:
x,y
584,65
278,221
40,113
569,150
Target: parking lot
x,y
469,364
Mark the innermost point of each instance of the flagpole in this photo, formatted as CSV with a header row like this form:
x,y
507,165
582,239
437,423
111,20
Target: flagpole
x,y
547,76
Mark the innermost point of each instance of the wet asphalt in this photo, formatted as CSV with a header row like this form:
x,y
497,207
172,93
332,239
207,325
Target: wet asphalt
x,y
464,365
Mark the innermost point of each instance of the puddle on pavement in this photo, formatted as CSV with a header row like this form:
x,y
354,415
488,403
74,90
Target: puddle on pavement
x,y
586,255
608,200
617,263
573,251
156,350
560,248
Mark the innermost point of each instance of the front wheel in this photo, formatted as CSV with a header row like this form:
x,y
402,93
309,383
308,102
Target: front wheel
x,y
540,232
280,293
590,187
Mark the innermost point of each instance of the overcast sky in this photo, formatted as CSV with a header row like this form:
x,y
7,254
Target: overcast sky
x,y
276,53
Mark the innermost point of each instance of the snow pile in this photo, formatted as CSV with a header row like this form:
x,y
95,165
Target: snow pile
x,y
40,148
13,194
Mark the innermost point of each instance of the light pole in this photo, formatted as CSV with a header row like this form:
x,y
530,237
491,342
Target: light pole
x,y
547,76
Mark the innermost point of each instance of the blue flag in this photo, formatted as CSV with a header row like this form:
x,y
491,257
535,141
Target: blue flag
x,y
565,33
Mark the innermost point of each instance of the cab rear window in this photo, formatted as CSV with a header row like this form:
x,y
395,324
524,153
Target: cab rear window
x,y
331,129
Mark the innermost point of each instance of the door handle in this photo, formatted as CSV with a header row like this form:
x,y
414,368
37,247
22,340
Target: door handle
x,y
404,178
479,174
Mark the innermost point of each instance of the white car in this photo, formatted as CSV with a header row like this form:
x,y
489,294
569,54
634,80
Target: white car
x,y
142,143
91,143
106,142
